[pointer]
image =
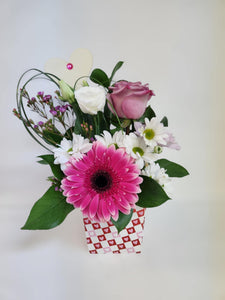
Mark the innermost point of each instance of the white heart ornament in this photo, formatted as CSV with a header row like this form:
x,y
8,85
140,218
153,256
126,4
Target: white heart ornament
x,y
78,65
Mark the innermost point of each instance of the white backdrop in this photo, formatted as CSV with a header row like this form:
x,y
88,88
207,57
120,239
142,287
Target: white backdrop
x,y
178,47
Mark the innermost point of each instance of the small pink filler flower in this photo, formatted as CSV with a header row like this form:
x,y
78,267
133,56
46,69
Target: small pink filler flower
x,y
105,181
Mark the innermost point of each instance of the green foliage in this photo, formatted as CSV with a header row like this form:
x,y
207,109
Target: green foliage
x,y
102,123
116,68
152,194
49,211
172,169
52,137
122,221
164,121
79,117
98,76
49,159
149,113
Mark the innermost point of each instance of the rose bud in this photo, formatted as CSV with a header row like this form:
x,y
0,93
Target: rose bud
x,y
129,99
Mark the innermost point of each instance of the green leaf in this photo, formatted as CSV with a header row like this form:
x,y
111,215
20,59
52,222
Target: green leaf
x,y
42,162
52,137
122,221
49,211
149,113
164,121
172,169
152,194
69,133
98,76
116,68
77,127
103,125
79,117
107,114
49,159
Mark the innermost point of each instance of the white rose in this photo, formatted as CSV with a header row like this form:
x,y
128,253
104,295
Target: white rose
x,y
91,99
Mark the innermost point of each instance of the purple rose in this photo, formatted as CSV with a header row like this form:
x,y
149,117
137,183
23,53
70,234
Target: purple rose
x,y
129,99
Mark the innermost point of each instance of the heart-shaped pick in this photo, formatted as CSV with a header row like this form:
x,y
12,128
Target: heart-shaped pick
x,y
78,65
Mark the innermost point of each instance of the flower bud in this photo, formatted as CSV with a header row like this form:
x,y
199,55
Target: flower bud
x,y
66,92
84,83
157,149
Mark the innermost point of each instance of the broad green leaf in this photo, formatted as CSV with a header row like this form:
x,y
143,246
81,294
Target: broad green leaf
x,y
149,113
49,211
116,68
172,169
49,159
122,221
98,76
164,121
152,194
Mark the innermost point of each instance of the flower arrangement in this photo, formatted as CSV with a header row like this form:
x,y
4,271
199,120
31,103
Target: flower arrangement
x,y
105,147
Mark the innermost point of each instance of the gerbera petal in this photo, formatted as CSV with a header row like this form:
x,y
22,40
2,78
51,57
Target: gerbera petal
x,y
123,202
75,192
105,211
85,202
81,165
99,212
129,187
76,201
69,169
110,206
133,198
123,209
116,215
75,178
99,150
93,207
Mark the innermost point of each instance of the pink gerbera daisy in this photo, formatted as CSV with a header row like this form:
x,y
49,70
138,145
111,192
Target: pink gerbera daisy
x,y
105,181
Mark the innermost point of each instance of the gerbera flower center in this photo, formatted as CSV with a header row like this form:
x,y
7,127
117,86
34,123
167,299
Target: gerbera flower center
x,y
149,134
138,150
101,181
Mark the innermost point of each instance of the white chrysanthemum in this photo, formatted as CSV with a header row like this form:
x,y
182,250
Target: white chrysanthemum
x,y
136,147
154,171
107,139
67,148
153,132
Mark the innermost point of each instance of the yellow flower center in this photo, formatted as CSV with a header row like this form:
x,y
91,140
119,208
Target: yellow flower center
x,y
138,150
149,134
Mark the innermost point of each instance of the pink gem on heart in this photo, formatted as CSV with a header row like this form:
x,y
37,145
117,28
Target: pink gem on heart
x,y
69,66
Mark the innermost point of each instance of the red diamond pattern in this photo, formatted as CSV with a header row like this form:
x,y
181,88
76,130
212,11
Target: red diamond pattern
x,y
104,238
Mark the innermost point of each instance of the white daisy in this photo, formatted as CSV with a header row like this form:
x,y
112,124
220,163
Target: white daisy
x,y
153,132
80,146
154,171
107,139
63,152
67,148
135,146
